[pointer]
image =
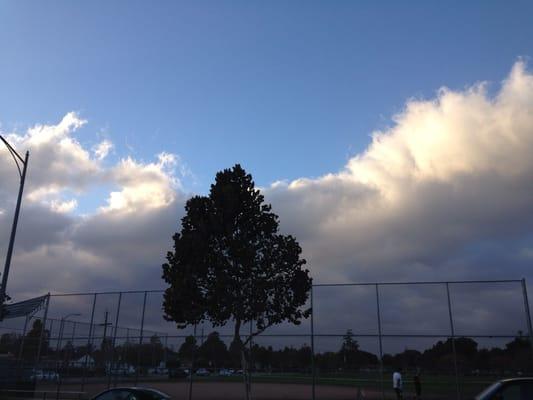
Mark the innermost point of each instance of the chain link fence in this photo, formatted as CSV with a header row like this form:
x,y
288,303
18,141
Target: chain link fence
x,y
456,337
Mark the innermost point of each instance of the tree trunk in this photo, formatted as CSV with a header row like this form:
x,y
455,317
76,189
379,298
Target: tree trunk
x,y
246,374
244,363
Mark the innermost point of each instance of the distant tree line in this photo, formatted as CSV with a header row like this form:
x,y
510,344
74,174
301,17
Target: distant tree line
x,y
213,353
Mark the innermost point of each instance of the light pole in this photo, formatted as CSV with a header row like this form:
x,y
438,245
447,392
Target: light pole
x,y
22,173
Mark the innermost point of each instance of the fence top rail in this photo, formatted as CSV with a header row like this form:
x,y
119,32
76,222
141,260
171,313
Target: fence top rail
x,y
314,285
419,283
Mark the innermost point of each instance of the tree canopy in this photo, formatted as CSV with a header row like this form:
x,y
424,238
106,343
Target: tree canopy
x,y
230,263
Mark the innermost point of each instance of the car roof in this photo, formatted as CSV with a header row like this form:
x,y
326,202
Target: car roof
x,y
521,379
137,388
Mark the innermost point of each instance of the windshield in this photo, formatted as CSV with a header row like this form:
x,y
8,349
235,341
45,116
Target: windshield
x,y
488,392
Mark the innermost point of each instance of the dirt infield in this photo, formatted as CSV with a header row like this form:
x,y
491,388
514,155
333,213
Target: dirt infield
x,y
235,391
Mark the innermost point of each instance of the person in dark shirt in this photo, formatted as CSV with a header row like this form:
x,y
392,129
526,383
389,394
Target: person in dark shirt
x,y
418,385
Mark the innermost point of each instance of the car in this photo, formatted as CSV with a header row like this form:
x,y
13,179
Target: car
x,y
202,372
513,388
40,375
225,372
178,373
132,393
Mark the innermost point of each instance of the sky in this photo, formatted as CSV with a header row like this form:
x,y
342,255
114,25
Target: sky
x,y
393,139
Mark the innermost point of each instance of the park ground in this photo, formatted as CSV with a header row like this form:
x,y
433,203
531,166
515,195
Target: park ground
x,y
283,387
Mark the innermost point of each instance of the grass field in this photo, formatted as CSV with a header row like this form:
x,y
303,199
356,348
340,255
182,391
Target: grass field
x,y
293,386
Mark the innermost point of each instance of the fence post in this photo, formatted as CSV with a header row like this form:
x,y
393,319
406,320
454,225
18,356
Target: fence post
x,y
21,346
43,330
250,363
70,353
140,340
20,363
453,341
380,341
61,325
528,315
165,350
192,363
112,366
89,344
313,370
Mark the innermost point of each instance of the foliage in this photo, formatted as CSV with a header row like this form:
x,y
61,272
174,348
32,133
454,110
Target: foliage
x,y
188,348
349,349
230,263
33,338
213,351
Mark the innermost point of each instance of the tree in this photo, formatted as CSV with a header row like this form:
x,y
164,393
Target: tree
x,y
34,338
230,263
188,348
349,349
213,350
9,343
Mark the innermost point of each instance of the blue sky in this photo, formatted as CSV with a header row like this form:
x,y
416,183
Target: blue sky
x,y
288,89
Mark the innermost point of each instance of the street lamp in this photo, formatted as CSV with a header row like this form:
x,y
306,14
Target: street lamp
x,y
22,173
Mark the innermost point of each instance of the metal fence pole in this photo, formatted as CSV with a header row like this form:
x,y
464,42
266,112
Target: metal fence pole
x,y
70,353
140,340
89,344
453,341
112,369
21,346
380,341
165,350
251,362
43,330
528,315
192,363
49,338
61,326
313,369
73,332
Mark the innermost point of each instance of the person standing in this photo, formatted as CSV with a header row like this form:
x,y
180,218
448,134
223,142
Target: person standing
x,y
397,383
418,385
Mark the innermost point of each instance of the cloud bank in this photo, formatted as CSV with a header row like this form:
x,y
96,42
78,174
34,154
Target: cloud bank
x,y
451,176
444,193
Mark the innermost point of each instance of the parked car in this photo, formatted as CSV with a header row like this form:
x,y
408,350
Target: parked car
x,y
202,372
508,389
178,373
132,393
158,371
226,372
43,375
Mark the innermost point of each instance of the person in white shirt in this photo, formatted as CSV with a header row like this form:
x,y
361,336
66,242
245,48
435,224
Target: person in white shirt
x,y
397,383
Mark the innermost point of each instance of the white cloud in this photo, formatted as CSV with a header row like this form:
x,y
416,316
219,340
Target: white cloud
x,y
64,206
450,172
102,149
143,186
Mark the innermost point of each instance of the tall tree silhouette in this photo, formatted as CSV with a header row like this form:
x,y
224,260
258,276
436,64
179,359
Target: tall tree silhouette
x,y
230,263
